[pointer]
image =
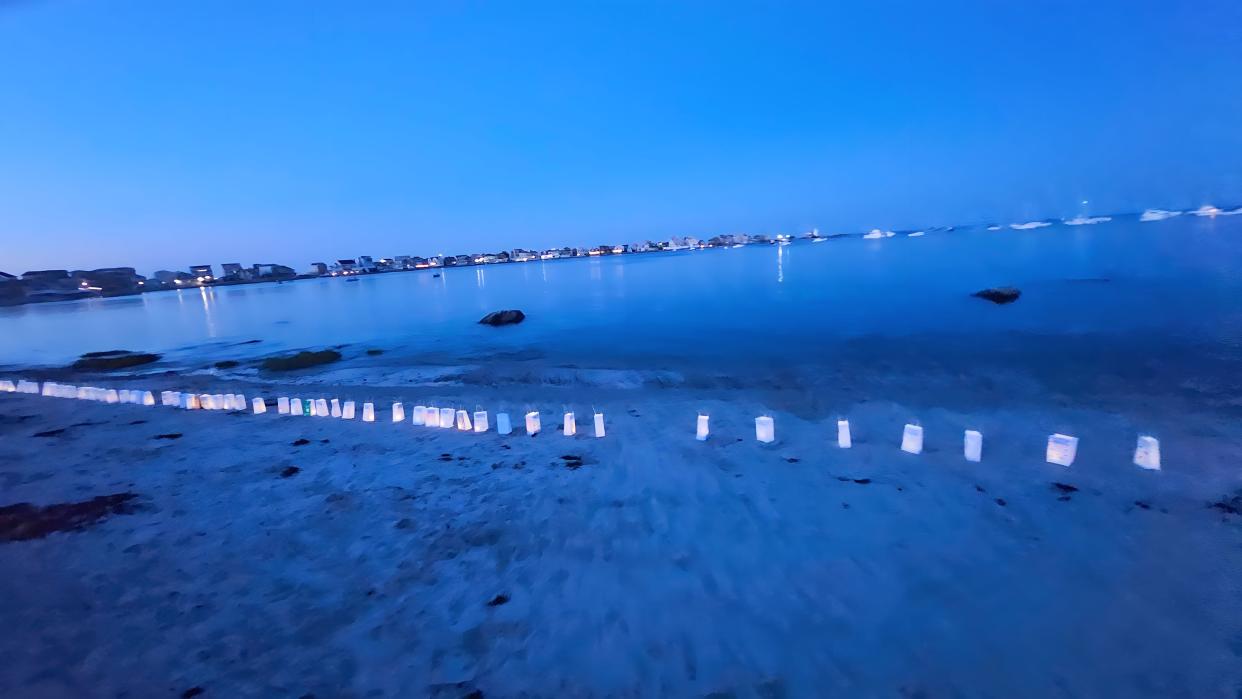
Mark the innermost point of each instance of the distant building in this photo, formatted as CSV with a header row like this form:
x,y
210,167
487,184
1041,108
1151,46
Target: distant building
x,y
111,281
403,262
485,259
12,291
435,261
231,270
366,264
523,255
45,275
273,271
502,256
201,273
419,262
319,268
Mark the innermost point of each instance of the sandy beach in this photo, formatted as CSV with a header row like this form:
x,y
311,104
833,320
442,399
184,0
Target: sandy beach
x,y
275,556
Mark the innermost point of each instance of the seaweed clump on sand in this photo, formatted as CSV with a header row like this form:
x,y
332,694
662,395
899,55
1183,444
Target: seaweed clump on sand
x,y
113,359
301,360
24,521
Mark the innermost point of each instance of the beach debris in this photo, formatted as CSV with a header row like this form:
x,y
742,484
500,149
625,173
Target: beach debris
x,y
50,433
24,521
301,360
431,417
912,439
701,428
398,412
1062,449
571,425
463,421
508,317
447,416
282,405
843,434
1147,453
599,425
1230,505
192,692
112,360
503,426
973,446
374,352
347,410
368,412
999,295
532,423
765,429
480,421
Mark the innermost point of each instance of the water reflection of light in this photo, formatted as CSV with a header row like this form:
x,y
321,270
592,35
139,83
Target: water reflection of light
x,y
478,277
209,302
780,264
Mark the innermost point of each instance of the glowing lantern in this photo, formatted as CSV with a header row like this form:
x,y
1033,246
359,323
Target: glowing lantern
x,y
418,416
446,418
7,386
503,426
398,412
111,397
532,423
765,429
347,410
368,412
1062,449
189,401
282,405
295,406
463,421
259,406
843,434
1147,453
480,421
912,439
700,430
599,425
218,400
431,416
321,407
571,426
148,398
973,446
335,409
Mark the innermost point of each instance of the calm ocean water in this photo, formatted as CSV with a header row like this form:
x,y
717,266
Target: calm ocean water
x,y
1149,285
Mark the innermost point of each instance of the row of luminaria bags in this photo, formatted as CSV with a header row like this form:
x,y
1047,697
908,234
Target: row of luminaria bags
x,y
1061,449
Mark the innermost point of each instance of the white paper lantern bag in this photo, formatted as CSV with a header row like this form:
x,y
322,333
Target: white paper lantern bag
x,y
295,406
599,425
398,412
463,421
334,407
912,439
503,425
1062,449
480,421
972,446
418,416
844,441
148,398
321,407
532,423
282,405
765,429
700,428
368,412
259,406
1147,453
571,426
431,416
446,418
347,410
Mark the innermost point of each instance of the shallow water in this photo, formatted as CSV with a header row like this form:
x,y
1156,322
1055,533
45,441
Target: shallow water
x,y
1157,285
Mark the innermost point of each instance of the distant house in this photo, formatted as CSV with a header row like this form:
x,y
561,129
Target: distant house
x,y
485,259
523,255
273,271
231,270
346,267
435,261
502,256
111,281
201,273
462,260
12,292
45,275
366,264
419,262
403,262
319,268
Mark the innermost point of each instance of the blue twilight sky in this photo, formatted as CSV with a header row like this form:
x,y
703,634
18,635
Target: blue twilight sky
x,y
164,134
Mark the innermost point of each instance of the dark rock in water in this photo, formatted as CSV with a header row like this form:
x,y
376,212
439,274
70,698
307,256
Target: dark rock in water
x,y
510,317
24,521
301,360
1000,294
113,359
227,364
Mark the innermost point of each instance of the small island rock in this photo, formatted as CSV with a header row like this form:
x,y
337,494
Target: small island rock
x,y
1000,294
503,318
